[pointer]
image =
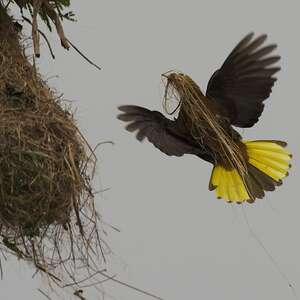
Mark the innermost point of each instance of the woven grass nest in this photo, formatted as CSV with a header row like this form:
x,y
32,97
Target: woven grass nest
x,y
47,213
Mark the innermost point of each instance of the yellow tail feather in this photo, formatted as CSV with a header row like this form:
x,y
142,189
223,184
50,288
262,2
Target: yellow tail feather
x,y
228,185
269,157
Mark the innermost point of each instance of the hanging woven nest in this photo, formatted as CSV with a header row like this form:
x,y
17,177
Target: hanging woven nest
x,y
47,213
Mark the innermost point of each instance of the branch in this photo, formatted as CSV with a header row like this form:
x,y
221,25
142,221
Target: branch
x,y
85,57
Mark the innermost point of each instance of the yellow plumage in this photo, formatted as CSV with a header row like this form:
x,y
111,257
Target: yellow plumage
x,y
269,157
229,185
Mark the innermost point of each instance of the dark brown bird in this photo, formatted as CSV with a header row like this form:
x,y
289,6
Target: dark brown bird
x,y
243,170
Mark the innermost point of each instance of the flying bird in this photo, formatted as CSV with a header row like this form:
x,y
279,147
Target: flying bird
x,y
204,125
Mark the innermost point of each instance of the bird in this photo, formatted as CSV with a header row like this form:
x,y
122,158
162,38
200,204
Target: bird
x,y
206,124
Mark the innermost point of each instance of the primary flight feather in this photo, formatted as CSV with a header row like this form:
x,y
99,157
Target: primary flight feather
x,y
243,170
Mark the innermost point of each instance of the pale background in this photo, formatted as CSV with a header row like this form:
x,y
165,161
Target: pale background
x,y
176,239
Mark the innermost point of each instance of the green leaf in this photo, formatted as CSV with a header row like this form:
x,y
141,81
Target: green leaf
x,y
64,2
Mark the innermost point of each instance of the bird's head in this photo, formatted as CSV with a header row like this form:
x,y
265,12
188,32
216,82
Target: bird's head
x,y
196,111
181,89
174,85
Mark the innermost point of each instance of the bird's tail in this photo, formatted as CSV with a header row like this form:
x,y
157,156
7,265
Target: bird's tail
x,y
268,163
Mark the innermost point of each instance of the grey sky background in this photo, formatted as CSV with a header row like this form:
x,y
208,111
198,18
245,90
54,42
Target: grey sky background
x,y
177,240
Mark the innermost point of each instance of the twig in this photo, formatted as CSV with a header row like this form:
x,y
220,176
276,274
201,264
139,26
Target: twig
x,y
93,284
85,57
131,286
78,294
7,5
83,280
43,293
47,272
93,151
43,35
1,269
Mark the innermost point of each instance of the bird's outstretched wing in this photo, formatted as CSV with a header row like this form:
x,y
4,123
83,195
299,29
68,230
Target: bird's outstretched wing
x,y
154,126
244,81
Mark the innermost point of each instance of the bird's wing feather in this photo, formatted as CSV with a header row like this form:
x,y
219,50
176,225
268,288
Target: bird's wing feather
x,y
156,128
244,81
